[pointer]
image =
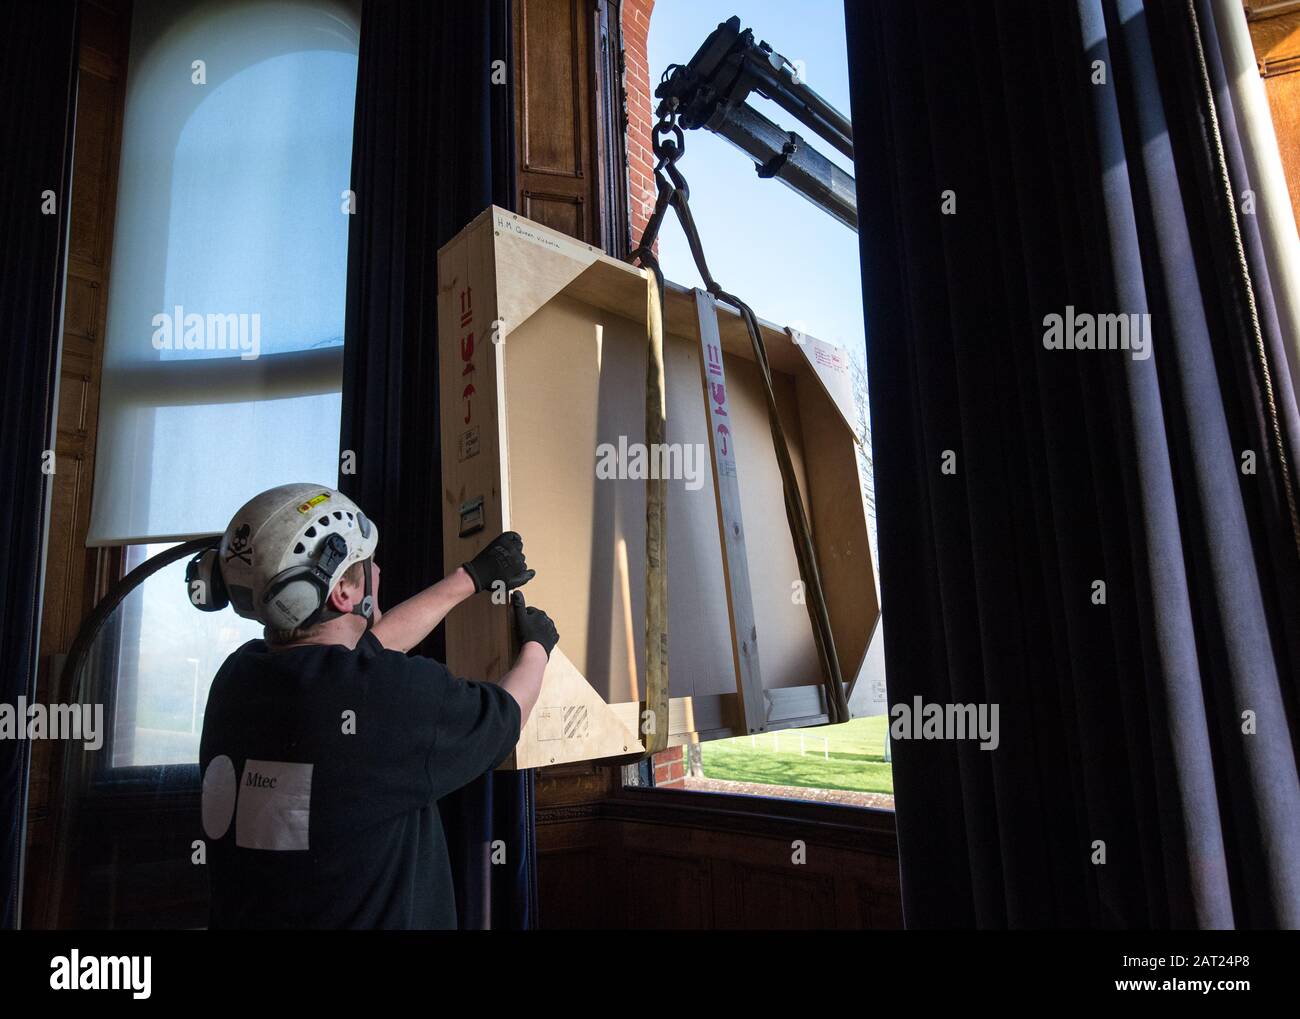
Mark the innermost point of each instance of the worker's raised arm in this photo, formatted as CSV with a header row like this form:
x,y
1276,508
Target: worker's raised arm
x,y
501,564
405,625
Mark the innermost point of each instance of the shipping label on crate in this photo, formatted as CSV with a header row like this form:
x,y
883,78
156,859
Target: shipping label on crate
x,y
468,445
724,457
831,366
467,353
827,356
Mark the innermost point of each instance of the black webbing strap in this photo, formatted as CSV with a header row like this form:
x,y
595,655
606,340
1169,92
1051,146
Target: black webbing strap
x,y
672,190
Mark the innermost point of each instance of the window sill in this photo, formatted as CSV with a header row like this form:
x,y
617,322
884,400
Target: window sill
x,y
862,828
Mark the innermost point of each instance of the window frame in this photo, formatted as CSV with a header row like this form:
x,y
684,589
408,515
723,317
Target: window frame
x,y
104,779
869,829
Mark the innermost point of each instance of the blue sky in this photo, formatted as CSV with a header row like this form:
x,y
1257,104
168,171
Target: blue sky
x,y
791,262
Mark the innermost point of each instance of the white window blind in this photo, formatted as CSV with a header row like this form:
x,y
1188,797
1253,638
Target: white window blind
x,y
223,349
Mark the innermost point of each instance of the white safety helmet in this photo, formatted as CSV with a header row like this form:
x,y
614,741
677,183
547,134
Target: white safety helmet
x,y
286,549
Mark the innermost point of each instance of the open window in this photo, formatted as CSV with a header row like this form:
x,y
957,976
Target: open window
x,y
798,266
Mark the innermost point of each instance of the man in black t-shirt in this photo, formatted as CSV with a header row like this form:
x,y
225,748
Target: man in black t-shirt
x,y
325,746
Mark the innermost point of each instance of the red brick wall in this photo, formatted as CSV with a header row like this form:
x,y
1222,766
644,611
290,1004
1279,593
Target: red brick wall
x,y
640,113
670,767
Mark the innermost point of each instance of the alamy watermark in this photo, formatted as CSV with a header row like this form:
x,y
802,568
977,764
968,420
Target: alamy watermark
x,y
635,461
77,972
919,720
181,330
1082,330
83,722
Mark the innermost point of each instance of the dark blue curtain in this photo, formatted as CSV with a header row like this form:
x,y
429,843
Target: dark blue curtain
x,y
433,146
38,68
1016,159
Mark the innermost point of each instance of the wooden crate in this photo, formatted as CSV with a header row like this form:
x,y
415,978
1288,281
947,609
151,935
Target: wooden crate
x,y
542,360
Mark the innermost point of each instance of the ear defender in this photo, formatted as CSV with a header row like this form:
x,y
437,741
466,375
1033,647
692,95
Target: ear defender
x,y
294,598
366,606
297,596
203,582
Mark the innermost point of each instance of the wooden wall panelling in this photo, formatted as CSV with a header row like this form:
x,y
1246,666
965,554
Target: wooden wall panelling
x,y
555,116
665,889
71,569
610,128
1275,35
101,90
689,860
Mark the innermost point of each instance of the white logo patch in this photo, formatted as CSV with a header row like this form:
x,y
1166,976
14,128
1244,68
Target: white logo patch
x,y
274,806
218,796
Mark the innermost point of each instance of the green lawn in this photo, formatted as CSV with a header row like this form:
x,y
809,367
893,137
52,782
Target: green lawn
x,y
855,757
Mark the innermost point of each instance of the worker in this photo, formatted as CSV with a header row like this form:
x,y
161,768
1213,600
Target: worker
x,y
326,746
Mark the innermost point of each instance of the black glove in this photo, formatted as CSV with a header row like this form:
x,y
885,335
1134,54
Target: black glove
x,y
533,624
502,560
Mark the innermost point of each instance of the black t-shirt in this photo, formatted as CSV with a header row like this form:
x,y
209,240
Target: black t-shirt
x,y
322,768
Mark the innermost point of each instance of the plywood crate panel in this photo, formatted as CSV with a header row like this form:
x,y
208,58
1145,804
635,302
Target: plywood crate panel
x,y
543,360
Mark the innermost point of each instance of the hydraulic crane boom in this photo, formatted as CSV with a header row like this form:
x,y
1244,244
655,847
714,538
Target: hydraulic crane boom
x,y
711,90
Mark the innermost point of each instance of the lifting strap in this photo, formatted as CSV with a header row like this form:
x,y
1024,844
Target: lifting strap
x,y
672,190
654,712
